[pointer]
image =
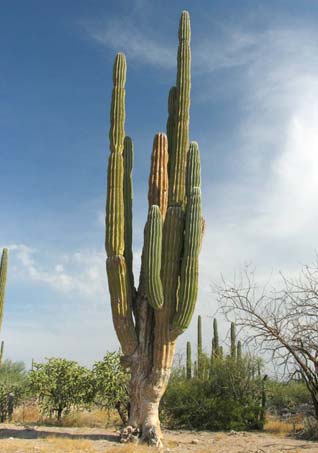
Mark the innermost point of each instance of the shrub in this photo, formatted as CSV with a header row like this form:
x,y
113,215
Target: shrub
x,y
60,385
287,395
111,382
13,387
229,399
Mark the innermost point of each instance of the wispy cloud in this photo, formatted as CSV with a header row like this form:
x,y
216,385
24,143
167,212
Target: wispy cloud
x,y
124,35
81,272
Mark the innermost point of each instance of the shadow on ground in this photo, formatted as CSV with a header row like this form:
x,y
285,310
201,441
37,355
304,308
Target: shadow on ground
x,y
30,433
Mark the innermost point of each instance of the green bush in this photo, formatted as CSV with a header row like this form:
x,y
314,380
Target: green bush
x,y
61,385
230,398
13,387
287,394
111,381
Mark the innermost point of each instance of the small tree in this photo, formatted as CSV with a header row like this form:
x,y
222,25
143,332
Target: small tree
x,y
111,382
282,321
60,385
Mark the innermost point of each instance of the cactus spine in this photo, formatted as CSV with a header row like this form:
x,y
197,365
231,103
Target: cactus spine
x,y
189,361
148,321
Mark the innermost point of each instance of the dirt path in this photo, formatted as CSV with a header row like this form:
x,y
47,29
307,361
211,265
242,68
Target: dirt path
x,y
20,439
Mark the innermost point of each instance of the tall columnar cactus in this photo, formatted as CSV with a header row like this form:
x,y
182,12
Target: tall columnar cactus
x,y
200,355
148,320
233,341
215,339
3,280
1,352
239,351
189,361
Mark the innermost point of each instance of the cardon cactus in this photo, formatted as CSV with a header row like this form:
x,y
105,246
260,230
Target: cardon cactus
x,y
233,341
215,339
1,351
3,280
239,351
199,355
148,320
189,361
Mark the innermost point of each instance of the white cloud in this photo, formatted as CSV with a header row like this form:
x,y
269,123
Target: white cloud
x,y
82,272
123,35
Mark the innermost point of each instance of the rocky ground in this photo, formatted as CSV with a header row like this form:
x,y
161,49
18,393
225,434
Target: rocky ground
x,y
20,439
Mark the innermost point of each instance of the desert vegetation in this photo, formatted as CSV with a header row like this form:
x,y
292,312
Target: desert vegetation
x,y
143,389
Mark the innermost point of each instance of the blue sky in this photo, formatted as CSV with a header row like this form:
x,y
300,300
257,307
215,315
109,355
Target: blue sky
x,y
254,112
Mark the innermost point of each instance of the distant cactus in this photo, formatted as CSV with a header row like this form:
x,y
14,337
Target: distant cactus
x,y
148,320
195,370
263,402
239,351
233,341
199,355
215,339
1,352
189,361
3,280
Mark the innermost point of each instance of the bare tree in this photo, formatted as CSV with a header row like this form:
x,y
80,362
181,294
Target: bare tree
x,y
281,320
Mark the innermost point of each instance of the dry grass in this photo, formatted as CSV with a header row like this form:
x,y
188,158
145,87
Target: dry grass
x,y
30,414
27,413
51,445
283,427
91,419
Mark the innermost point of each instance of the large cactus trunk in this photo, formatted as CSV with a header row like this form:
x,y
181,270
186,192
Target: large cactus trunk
x,y
148,381
148,320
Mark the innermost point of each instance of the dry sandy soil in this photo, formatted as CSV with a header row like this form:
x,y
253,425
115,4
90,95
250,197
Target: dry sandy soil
x,y
20,439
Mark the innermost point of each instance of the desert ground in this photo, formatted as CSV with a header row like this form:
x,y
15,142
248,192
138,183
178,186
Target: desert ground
x,y
20,439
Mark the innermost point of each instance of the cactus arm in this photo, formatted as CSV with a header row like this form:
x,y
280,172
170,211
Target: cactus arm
x,y
128,155
120,297
117,273
152,259
170,269
192,242
158,177
188,288
193,175
180,141
115,201
171,121
3,280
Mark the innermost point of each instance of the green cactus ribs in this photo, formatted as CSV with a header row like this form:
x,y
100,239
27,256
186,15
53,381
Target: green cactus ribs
x,y
3,281
148,320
